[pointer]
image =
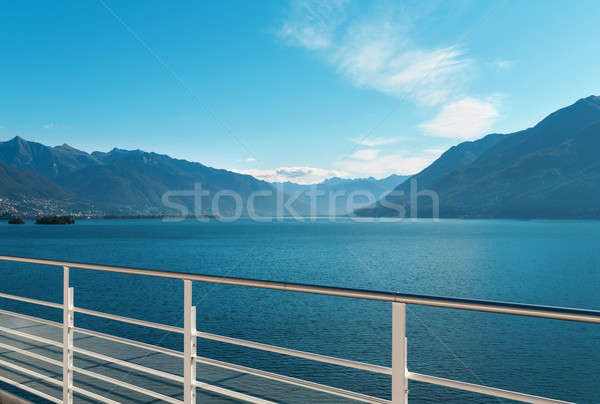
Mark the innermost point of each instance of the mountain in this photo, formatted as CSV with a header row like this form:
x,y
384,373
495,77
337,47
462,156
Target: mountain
x,y
453,159
134,181
340,196
548,171
20,184
49,162
140,179
25,193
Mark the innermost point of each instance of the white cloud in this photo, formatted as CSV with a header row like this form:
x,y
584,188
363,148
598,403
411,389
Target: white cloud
x,y
376,141
364,163
382,166
49,125
377,52
300,175
426,76
502,64
366,154
378,167
250,160
371,162
468,118
312,24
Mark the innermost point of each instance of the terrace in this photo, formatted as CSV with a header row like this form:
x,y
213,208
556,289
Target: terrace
x,y
62,363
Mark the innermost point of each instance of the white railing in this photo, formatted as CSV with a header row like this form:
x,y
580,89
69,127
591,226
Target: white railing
x,y
398,371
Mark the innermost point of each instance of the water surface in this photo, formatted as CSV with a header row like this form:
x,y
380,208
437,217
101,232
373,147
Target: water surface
x,y
541,262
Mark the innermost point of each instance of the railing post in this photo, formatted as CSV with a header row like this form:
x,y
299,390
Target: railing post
x,y
68,317
189,349
399,380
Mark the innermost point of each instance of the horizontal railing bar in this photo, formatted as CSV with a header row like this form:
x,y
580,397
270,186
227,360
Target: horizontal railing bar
x,y
31,355
129,365
230,393
150,347
476,388
31,318
169,376
529,310
31,337
94,396
32,301
38,376
30,390
294,381
298,354
134,321
128,386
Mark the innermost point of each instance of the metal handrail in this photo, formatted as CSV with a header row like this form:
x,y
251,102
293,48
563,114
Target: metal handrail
x,y
529,310
298,354
398,371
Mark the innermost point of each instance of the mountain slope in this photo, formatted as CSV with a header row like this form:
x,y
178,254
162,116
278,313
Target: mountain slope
x,y
20,184
49,162
548,171
134,181
455,158
139,179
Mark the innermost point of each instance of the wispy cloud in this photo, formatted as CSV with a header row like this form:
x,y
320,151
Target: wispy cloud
x,y
426,76
363,163
312,24
376,141
384,165
250,160
365,154
502,64
49,125
300,175
377,52
467,118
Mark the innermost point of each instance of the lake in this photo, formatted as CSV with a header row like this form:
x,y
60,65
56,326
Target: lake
x,y
540,262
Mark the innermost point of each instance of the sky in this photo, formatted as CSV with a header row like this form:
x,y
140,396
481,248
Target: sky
x,y
295,90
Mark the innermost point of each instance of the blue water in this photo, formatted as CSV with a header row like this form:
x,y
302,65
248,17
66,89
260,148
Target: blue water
x,y
542,262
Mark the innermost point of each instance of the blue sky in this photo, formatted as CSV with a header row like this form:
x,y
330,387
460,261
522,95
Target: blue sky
x,y
299,90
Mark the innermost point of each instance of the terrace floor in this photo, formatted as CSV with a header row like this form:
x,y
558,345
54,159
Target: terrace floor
x,y
231,380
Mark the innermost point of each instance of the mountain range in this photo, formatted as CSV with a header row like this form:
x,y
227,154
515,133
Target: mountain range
x,y
120,181
39,179
340,196
551,170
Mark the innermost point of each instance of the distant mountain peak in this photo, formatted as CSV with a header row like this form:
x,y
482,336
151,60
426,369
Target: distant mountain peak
x,y
591,99
339,180
49,162
19,145
547,171
573,117
67,147
17,140
117,151
333,180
